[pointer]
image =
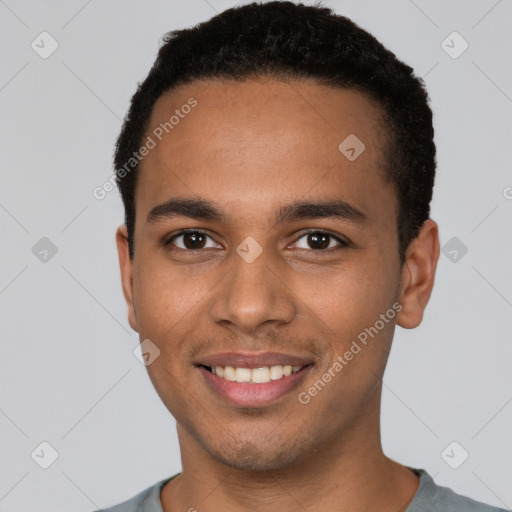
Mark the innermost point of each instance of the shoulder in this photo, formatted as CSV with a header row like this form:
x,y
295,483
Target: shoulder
x,y
431,497
449,501
146,501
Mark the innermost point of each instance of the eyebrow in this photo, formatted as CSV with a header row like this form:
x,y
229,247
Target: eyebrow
x,y
201,209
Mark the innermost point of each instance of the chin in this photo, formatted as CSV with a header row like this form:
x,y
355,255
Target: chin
x,y
254,460
258,455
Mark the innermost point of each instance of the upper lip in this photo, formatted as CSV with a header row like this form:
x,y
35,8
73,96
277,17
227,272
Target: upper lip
x,y
253,359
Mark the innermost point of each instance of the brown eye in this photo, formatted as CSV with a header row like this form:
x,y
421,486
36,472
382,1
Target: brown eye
x,y
320,240
191,240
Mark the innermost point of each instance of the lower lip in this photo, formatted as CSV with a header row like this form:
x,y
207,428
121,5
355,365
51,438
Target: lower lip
x,y
247,394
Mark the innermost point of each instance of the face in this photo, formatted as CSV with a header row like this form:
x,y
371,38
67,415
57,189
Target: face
x,y
290,257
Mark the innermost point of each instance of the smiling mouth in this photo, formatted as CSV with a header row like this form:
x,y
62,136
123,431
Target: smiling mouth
x,y
259,375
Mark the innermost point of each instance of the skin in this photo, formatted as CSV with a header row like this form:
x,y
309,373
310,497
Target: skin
x,y
251,147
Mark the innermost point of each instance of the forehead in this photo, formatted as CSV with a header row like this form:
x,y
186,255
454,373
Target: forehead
x,y
246,141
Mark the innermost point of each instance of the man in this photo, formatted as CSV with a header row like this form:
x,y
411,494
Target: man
x,y
276,168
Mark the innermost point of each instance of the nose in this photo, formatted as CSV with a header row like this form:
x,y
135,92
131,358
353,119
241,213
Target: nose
x,y
253,294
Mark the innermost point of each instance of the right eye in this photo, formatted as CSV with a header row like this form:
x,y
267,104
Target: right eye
x,y
191,240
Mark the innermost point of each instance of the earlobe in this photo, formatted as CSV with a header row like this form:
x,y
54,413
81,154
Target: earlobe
x,y
126,267
418,275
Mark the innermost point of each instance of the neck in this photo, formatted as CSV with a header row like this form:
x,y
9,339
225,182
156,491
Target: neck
x,y
349,472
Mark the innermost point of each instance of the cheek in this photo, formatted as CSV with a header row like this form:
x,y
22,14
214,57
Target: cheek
x,y
347,299
162,299
347,306
361,319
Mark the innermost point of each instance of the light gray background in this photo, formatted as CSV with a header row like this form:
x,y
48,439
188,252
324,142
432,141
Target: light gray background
x,y
68,375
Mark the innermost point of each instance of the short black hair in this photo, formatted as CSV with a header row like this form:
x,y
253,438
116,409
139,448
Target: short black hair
x,y
285,40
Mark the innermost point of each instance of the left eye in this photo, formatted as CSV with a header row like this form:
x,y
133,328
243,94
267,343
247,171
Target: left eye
x,y
320,240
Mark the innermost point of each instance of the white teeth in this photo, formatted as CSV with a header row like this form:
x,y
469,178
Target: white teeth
x,y
243,375
255,375
229,372
260,375
276,372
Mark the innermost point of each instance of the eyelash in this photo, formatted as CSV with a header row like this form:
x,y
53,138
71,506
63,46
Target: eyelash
x,y
343,244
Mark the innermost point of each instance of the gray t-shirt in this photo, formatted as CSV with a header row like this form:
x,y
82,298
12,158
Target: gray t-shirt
x,y
430,497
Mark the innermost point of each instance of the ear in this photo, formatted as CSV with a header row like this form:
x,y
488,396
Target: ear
x,y
126,266
418,275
